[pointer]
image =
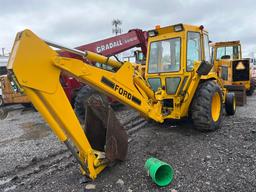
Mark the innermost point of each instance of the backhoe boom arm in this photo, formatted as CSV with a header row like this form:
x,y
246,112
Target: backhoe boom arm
x,y
36,67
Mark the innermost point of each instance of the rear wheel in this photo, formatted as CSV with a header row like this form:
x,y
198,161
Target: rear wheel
x,y
252,88
230,103
85,94
206,107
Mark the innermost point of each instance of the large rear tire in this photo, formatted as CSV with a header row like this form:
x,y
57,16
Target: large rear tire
x,y
207,107
81,101
252,88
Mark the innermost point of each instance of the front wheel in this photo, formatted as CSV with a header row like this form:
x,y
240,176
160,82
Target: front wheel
x,y
230,103
206,108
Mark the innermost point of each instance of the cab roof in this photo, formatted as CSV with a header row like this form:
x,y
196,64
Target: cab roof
x,y
225,43
185,27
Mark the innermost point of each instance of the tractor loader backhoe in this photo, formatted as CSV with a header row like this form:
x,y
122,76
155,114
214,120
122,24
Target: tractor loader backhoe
x,y
178,83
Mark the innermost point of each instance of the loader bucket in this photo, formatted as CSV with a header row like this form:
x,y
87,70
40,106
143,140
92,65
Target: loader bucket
x,y
104,131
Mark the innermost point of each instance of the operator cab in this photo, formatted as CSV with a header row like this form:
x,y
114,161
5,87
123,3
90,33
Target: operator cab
x,y
229,64
226,50
173,51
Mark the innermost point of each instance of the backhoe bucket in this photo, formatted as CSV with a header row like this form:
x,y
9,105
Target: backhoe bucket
x,y
104,131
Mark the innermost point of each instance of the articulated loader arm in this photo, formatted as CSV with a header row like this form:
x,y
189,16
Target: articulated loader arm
x,y
36,67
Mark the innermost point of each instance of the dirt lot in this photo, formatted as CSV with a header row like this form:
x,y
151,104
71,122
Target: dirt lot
x,y
32,159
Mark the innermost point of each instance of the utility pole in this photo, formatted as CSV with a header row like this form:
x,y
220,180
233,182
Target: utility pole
x,y
116,23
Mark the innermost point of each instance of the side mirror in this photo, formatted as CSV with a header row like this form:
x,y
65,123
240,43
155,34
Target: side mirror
x,y
204,68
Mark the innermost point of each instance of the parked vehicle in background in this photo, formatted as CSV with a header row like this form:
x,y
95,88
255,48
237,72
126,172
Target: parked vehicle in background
x,y
253,68
232,68
8,95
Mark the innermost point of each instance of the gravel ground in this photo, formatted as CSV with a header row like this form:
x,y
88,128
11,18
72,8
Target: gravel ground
x,y
32,159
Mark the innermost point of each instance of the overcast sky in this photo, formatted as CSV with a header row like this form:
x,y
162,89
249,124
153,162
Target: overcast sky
x,y
77,22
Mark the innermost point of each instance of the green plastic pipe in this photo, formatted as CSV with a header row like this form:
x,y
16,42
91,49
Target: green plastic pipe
x,y
160,172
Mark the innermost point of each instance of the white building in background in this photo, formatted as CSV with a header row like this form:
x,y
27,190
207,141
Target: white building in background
x,y
3,64
3,60
129,55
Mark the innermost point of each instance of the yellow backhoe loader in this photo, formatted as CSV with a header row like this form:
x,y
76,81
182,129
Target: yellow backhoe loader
x,y
178,83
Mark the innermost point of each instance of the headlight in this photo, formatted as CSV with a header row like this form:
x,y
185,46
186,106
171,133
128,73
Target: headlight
x,y
152,33
178,27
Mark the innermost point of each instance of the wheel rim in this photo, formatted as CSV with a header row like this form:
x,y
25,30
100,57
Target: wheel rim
x,y
234,103
216,106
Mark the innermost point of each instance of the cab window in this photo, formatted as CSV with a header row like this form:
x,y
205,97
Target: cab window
x,y
206,48
193,49
154,83
164,56
229,52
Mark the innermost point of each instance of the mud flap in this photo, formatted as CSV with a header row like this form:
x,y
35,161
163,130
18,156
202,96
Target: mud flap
x,y
104,131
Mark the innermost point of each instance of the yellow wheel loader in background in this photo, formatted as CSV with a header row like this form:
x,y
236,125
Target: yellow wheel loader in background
x,y
8,94
231,67
179,82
